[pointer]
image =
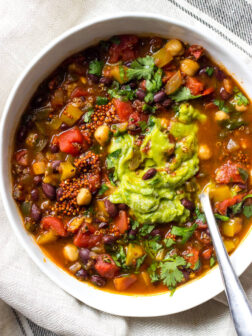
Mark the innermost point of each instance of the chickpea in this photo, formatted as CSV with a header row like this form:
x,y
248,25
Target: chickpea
x,y
220,116
84,197
241,108
102,134
204,152
189,67
228,85
175,47
71,252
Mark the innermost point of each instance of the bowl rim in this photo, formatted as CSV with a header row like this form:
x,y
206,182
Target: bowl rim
x,y
121,311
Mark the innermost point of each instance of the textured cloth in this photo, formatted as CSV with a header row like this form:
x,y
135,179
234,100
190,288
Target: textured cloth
x,y
25,27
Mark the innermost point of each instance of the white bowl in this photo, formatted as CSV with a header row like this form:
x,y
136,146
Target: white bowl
x,y
76,39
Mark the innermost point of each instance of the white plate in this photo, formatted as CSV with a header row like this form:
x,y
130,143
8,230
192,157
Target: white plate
x,y
76,39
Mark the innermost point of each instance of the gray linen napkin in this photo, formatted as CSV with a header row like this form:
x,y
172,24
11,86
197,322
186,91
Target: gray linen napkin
x,y
25,27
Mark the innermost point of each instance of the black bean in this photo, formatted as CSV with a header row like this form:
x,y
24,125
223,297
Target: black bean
x,y
49,191
98,280
59,194
84,255
159,97
109,239
63,126
167,102
103,225
149,174
224,94
35,212
187,204
202,71
219,74
156,232
122,206
34,195
132,234
82,274
111,208
106,81
22,133
54,148
133,85
37,179
128,64
95,79
140,93
55,165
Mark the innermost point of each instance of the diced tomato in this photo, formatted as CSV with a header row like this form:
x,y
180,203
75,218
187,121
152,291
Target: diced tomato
x,y
22,157
86,239
121,222
222,207
68,140
142,85
123,50
135,117
229,173
207,253
123,283
191,255
207,91
94,181
55,224
123,109
106,266
79,92
194,85
168,75
196,51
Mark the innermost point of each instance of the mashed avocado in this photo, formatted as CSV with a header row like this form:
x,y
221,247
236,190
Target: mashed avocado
x,y
156,200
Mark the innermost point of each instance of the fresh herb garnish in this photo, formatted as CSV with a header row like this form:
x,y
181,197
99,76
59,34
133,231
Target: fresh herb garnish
x,y
169,242
124,94
115,40
146,229
212,261
152,270
221,217
140,261
183,94
240,99
209,71
149,108
247,210
87,115
197,265
141,68
221,105
101,100
170,274
112,157
243,173
103,189
184,232
152,247
95,67
135,225
143,125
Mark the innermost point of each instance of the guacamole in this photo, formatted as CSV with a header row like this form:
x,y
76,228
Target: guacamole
x,y
158,199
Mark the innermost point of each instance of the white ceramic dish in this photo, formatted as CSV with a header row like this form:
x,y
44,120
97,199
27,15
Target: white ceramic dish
x,y
76,39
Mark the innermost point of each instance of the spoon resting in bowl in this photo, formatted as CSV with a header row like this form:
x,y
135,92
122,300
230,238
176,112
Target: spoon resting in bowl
x,y
239,307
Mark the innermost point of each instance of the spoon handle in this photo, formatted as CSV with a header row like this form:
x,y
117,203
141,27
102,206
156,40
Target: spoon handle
x,y
238,303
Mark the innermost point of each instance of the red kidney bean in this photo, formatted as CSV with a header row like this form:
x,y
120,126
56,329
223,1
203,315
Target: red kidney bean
x,y
95,79
140,93
34,195
167,102
82,274
224,94
159,97
37,179
54,148
84,255
187,204
59,194
111,208
35,212
122,206
98,280
149,174
49,191
55,165
106,81
109,239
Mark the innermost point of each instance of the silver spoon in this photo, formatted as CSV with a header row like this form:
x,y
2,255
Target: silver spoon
x,y
239,307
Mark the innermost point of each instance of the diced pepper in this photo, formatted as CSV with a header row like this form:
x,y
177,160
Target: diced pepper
x,y
134,252
173,83
119,73
232,227
39,168
222,207
123,109
70,114
54,224
67,170
229,245
196,51
57,98
162,57
68,139
220,193
46,237
52,179
121,222
146,278
106,266
123,283
79,92
160,255
74,224
55,123
194,85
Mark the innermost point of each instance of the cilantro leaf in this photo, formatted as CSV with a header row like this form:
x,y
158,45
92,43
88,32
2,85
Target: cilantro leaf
x,y
169,242
110,161
124,94
221,217
103,189
119,257
152,270
143,125
169,271
141,68
152,247
115,40
135,225
221,105
101,100
95,67
140,261
146,229
212,261
197,265
183,94
149,109
237,208
243,173
200,216
184,232
87,115
247,211
209,71
240,99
